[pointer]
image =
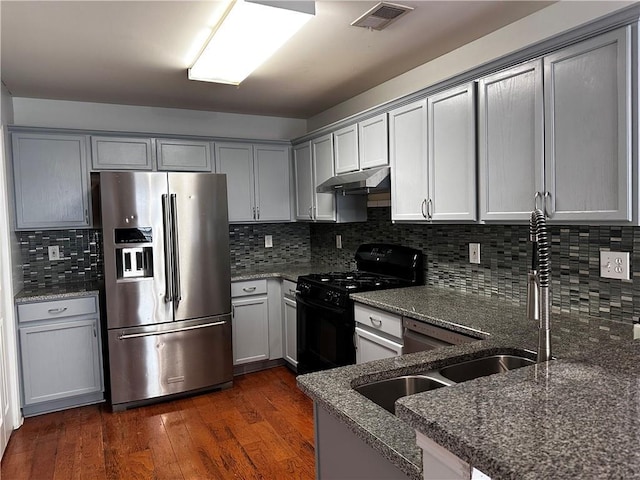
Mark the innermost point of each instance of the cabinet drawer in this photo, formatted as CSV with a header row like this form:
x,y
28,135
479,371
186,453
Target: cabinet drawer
x,y
30,312
289,288
249,287
378,320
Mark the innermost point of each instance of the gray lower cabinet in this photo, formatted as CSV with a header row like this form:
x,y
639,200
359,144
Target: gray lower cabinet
x,y
60,353
250,321
121,153
290,328
51,181
184,155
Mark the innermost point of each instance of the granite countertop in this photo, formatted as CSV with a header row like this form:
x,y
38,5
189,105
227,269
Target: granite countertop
x,y
288,271
575,417
66,290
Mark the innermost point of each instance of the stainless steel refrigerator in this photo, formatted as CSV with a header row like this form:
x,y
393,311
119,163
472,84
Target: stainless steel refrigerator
x,y
167,282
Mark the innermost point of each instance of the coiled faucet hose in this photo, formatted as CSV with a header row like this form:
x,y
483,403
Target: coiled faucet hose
x,y
538,229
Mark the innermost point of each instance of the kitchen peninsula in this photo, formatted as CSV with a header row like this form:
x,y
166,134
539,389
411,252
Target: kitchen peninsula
x,y
555,420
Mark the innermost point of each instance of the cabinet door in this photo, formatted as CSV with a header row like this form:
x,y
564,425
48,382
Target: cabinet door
x,y
511,142
452,154
272,192
250,329
408,161
51,181
60,360
183,155
290,331
303,166
370,347
373,142
121,153
345,143
325,203
236,161
588,129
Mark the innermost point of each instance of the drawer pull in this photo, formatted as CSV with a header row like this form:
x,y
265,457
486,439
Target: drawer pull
x,y
249,289
57,311
292,292
376,322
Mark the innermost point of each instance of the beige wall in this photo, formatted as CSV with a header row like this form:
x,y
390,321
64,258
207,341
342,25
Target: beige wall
x,y
544,24
35,112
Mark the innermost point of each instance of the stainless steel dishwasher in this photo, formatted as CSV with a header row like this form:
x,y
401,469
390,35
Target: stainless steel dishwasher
x,y
420,336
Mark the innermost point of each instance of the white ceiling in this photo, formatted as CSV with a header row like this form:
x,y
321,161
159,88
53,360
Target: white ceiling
x,y
135,53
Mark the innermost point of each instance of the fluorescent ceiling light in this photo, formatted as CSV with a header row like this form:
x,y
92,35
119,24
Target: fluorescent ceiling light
x,y
247,35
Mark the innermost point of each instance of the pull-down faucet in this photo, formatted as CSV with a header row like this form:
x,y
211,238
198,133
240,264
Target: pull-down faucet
x,y
538,283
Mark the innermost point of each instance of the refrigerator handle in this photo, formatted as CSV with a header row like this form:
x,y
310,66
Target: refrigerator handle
x,y
166,224
177,293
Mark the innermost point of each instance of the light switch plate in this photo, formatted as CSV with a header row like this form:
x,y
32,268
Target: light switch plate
x,y
474,253
614,265
54,252
338,241
268,241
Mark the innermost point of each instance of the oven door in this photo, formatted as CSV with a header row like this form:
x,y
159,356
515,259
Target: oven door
x,y
325,335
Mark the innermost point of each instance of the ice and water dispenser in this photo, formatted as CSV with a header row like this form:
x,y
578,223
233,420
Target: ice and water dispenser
x,y
134,260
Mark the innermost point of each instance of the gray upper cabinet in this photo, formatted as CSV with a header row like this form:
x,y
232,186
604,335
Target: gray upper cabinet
x,y
322,154
184,155
121,153
345,142
305,189
587,89
408,160
272,182
511,142
373,142
452,154
258,186
51,181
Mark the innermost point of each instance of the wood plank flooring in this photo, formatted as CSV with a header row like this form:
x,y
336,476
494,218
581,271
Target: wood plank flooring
x,y
262,428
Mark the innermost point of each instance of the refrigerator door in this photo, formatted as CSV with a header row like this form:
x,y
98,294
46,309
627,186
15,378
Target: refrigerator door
x,y
150,362
202,277
131,201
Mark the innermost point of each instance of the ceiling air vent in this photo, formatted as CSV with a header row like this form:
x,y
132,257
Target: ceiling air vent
x,y
381,16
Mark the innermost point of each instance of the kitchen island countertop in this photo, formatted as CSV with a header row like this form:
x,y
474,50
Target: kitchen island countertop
x,y
577,416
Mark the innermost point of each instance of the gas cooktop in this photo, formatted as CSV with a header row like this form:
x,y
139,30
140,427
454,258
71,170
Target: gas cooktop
x,y
356,281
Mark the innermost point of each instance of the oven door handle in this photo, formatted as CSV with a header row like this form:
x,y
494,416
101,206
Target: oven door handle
x,y
306,302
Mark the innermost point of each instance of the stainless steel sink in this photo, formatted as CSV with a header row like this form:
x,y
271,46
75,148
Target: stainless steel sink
x,y
386,392
481,367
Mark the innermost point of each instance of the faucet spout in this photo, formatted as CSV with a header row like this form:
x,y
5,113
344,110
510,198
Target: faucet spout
x,y
538,283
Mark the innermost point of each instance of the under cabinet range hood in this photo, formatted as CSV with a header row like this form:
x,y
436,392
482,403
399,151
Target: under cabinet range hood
x,y
363,182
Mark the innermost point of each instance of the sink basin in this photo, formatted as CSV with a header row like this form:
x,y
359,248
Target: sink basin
x,y
481,367
386,392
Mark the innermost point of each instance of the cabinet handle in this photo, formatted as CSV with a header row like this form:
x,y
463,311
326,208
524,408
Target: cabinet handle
x,y
233,311
57,311
95,334
310,215
292,292
249,289
376,322
86,216
548,202
254,212
430,209
535,200
422,205
258,212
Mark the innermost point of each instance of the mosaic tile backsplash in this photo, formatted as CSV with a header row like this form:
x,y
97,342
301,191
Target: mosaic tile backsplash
x,y
505,257
80,253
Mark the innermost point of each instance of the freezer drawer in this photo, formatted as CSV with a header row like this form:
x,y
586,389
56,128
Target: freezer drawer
x,y
151,362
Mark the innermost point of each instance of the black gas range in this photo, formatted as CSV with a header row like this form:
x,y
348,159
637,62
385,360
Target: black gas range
x,y
325,323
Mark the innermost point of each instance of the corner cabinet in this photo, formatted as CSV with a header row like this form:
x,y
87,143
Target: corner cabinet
x,y
60,353
51,181
433,158
258,186
555,133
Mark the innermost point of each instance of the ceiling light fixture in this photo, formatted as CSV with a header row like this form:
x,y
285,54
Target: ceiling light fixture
x,y
247,35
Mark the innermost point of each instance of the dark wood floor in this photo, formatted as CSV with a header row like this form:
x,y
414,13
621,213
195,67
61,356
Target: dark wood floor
x,y
262,428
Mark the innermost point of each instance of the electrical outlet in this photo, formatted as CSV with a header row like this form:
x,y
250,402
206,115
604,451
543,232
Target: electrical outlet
x,y
54,252
614,265
474,253
338,241
268,241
